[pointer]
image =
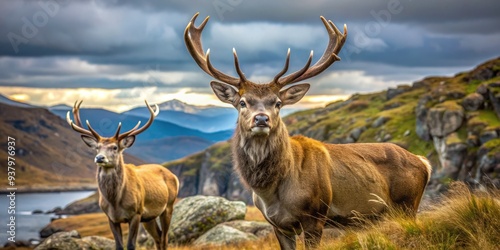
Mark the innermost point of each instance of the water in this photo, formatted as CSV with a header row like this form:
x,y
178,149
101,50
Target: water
x,y
29,225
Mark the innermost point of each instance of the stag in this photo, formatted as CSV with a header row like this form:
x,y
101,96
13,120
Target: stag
x,y
299,184
127,193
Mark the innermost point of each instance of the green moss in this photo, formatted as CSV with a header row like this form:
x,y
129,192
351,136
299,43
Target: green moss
x,y
493,146
451,105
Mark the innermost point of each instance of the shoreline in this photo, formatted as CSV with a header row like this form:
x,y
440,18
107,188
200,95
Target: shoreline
x,y
50,189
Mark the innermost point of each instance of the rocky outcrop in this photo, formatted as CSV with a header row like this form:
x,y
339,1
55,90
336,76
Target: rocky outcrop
x,y
83,206
73,241
393,92
445,119
233,232
194,216
209,172
223,235
473,102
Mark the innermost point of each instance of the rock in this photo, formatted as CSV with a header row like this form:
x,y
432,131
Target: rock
x,y
54,210
99,242
73,241
194,216
387,137
487,136
37,211
259,229
380,121
393,92
472,141
392,105
482,89
83,206
49,230
420,84
223,235
444,120
455,94
62,241
495,100
473,102
421,118
407,133
356,133
482,74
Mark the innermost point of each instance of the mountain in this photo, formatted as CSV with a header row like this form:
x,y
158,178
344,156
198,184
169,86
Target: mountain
x,y
5,100
105,123
204,118
49,155
170,148
178,141
453,121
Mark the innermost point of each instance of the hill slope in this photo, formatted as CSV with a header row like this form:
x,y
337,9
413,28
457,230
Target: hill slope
x,y
49,154
454,121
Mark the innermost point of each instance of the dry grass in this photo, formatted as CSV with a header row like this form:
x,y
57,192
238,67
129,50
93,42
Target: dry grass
x,y
462,220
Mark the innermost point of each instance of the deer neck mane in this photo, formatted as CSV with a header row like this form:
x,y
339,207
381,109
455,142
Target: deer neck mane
x,y
262,161
111,181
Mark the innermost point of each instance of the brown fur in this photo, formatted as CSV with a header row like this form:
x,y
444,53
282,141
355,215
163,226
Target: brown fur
x,y
132,194
299,183
127,193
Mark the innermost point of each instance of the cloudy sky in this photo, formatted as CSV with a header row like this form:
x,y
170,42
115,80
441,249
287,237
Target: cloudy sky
x,y
115,53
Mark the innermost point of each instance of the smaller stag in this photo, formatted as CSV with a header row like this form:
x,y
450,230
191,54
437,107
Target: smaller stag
x,y
127,193
300,184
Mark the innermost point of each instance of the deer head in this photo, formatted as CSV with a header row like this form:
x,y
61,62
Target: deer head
x,y
258,105
109,149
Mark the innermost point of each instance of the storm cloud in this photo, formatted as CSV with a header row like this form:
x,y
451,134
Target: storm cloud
x,y
124,44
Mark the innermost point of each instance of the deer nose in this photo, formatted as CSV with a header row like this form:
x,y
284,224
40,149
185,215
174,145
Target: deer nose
x,y
100,158
261,120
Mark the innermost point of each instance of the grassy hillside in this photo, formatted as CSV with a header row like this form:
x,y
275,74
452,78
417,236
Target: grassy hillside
x,y
463,219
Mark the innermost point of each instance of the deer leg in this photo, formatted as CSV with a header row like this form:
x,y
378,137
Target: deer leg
x,y
313,230
116,229
133,230
287,240
165,219
155,232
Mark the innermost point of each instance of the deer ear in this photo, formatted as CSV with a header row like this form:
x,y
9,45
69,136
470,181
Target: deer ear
x,y
294,94
127,142
90,141
225,92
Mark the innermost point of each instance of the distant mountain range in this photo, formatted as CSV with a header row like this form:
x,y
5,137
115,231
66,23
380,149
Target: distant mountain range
x,y
49,155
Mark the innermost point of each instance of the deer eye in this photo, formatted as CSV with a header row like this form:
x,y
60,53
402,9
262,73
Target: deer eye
x,y
115,148
243,104
278,104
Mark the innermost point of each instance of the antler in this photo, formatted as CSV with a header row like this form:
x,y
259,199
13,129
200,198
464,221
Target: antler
x,y
330,55
77,126
192,37
135,130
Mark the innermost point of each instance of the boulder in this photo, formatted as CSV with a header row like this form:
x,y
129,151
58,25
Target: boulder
x,y
494,96
393,92
49,230
445,119
421,118
194,216
223,235
73,241
473,102
356,133
257,228
380,121
487,135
